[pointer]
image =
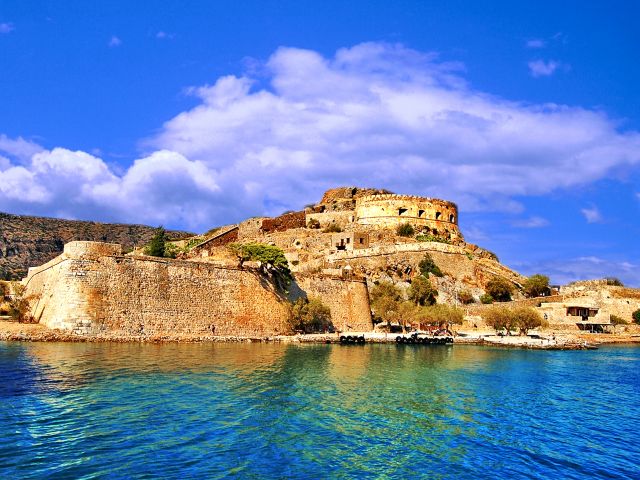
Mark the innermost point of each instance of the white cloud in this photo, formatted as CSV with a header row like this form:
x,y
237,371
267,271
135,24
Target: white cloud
x,y
19,148
536,43
532,222
540,68
161,35
374,114
6,28
114,42
592,214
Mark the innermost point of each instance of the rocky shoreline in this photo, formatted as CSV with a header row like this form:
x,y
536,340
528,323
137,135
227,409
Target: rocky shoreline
x,y
22,332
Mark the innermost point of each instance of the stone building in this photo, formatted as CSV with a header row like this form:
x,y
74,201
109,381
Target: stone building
x,y
430,215
349,241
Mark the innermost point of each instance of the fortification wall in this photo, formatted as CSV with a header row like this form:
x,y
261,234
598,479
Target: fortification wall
x,y
348,300
92,294
438,216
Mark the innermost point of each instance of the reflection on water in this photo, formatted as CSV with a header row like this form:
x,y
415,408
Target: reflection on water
x,y
315,411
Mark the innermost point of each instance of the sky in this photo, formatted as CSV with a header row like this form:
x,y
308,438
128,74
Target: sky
x,y
197,114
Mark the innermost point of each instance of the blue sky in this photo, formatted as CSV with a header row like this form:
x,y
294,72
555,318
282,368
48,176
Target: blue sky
x,y
525,113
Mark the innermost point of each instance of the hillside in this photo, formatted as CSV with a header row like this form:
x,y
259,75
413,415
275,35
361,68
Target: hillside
x,y
31,241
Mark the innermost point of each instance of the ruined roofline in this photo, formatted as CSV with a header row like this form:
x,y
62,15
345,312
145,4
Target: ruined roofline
x,y
395,196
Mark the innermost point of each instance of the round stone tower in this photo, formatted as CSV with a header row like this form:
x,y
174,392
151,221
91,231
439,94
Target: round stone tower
x,y
428,215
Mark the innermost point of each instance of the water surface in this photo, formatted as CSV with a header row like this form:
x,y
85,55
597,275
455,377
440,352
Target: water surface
x,y
316,411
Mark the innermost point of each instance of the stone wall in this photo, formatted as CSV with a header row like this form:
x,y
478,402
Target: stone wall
x,y
284,222
439,217
348,300
90,293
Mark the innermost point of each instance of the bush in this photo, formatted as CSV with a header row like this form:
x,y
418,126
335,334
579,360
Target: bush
x,y
19,308
500,289
465,297
310,315
405,230
486,299
427,266
313,223
332,228
536,286
432,238
636,316
421,292
616,320
613,281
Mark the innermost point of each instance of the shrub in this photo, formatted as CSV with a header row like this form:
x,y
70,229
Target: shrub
x,y
310,315
427,266
19,309
171,250
421,292
616,320
536,286
332,228
486,299
465,297
613,281
636,316
499,289
432,238
405,230
313,223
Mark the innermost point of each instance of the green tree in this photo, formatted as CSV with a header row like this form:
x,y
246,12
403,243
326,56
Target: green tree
x,y
499,318
405,230
310,315
427,266
536,286
440,314
421,292
385,301
271,258
156,247
527,318
636,316
500,289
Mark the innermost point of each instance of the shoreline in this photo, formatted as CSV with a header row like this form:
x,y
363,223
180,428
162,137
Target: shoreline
x,y
24,332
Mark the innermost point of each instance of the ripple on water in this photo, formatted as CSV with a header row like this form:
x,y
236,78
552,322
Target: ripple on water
x,y
316,411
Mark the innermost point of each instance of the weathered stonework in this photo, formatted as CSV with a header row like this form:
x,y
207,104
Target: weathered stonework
x,y
91,289
438,216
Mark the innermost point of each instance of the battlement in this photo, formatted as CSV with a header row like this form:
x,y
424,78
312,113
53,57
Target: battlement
x,y
408,198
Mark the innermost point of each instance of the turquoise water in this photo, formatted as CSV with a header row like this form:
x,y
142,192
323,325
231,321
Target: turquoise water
x,y
316,411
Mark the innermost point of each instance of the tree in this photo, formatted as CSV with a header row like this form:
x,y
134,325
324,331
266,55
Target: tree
x,y
405,230
499,318
421,292
271,258
311,315
527,318
156,247
499,289
440,315
385,301
427,266
636,316
19,308
536,286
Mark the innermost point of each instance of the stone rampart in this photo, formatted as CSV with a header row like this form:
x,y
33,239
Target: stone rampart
x,y
92,293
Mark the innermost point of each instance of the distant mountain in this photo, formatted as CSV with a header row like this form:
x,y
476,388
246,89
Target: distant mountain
x,y
31,241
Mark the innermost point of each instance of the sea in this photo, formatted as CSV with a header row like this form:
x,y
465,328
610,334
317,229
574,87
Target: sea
x,y
267,410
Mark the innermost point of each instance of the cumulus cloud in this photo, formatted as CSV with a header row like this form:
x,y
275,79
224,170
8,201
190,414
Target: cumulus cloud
x,y
374,114
540,68
114,42
592,214
6,28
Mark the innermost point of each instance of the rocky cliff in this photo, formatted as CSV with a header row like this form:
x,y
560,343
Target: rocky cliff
x,y
30,241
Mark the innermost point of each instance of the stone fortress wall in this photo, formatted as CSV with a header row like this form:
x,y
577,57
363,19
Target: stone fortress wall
x,y
92,289
389,210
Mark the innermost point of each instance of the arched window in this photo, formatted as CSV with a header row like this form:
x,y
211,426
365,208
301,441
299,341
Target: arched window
x,y
438,215
452,218
421,213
